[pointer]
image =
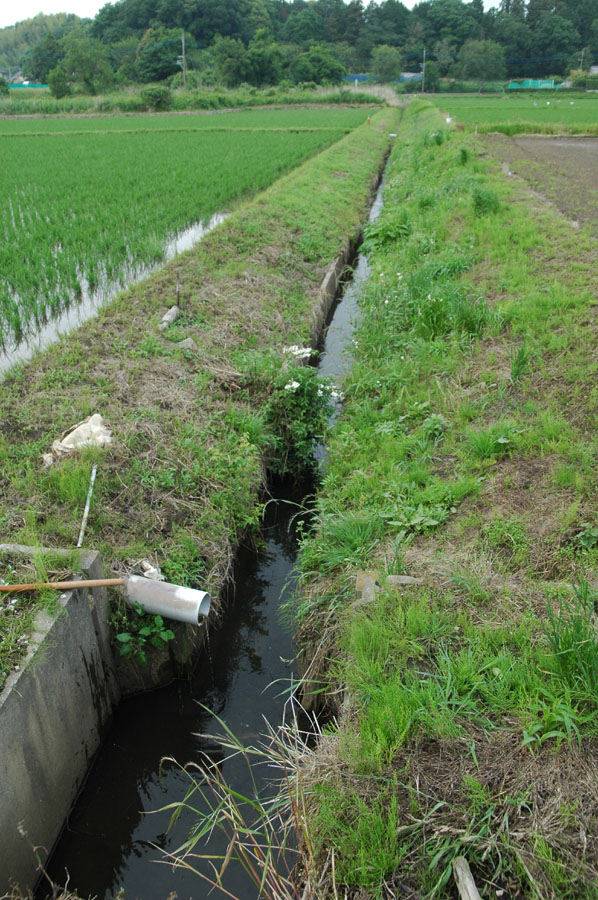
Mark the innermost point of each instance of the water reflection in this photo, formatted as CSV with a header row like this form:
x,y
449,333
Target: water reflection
x,y
108,843
87,305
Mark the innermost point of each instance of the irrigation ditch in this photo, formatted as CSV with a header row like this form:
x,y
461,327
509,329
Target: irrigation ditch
x,y
244,675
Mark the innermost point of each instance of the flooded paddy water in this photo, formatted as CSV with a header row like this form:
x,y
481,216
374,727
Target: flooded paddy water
x,y
91,300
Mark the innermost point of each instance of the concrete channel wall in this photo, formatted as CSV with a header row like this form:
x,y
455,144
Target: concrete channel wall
x,y
54,712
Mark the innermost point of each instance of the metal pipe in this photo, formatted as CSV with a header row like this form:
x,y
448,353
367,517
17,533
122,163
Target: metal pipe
x,y
159,598
169,600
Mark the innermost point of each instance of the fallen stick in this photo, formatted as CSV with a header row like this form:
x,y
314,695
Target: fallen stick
x,y
464,880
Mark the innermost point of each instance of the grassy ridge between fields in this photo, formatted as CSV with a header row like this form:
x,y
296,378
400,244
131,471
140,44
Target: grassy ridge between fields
x,y
465,457
191,427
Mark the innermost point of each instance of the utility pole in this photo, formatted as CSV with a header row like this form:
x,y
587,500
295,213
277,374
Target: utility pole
x,y
181,59
424,74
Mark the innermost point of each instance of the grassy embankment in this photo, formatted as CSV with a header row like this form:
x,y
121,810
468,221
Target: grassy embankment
x,y
61,231
191,428
532,113
132,100
466,456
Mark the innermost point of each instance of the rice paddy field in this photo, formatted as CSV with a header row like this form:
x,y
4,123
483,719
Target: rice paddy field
x,y
542,112
86,200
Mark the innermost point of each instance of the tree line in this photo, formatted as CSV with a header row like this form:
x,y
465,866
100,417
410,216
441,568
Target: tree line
x,y
263,42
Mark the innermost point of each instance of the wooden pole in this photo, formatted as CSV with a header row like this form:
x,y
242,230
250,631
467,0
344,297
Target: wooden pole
x,y
62,585
464,880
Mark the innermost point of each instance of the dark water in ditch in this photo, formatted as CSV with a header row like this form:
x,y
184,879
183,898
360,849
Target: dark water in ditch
x,y
244,679
109,840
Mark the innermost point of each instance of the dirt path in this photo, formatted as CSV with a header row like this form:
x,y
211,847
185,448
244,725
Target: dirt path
x,y
377,90
564,169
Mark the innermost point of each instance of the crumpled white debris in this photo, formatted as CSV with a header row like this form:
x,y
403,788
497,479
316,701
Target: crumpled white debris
x,y
91,432
169,317
151,571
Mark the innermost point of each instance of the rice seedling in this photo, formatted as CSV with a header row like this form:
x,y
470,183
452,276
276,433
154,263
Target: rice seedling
x,y
517,114
65,236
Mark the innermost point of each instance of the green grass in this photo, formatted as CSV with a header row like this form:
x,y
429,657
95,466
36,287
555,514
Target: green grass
x,y
462,457
192,430
543,112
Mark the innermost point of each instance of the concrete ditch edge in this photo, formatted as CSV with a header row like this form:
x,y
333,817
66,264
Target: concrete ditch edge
x,y
54,712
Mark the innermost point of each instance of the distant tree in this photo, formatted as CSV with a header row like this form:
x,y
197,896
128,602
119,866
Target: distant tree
x,y
431,77
157,54
259,18
387,23
229,18
536,9
4,88
517,41
513,8
45,56
319,65
264,60
482,59
156,96
556,39
137,14
593,41
446,54
302,26
477,10
581,14
351,58
387,63
230,58
109,25
86,63
449,20
18,41
58,82
334,16
123,56
172,13
354,21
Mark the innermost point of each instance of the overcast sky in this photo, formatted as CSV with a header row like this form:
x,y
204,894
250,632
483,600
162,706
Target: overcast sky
x,y
10,13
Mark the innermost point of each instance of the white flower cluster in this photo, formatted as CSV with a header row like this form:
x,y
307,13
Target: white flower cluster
x,y
292,386
299,352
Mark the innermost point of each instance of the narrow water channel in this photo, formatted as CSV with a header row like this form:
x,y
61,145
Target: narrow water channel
x,y
107,844
112,835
